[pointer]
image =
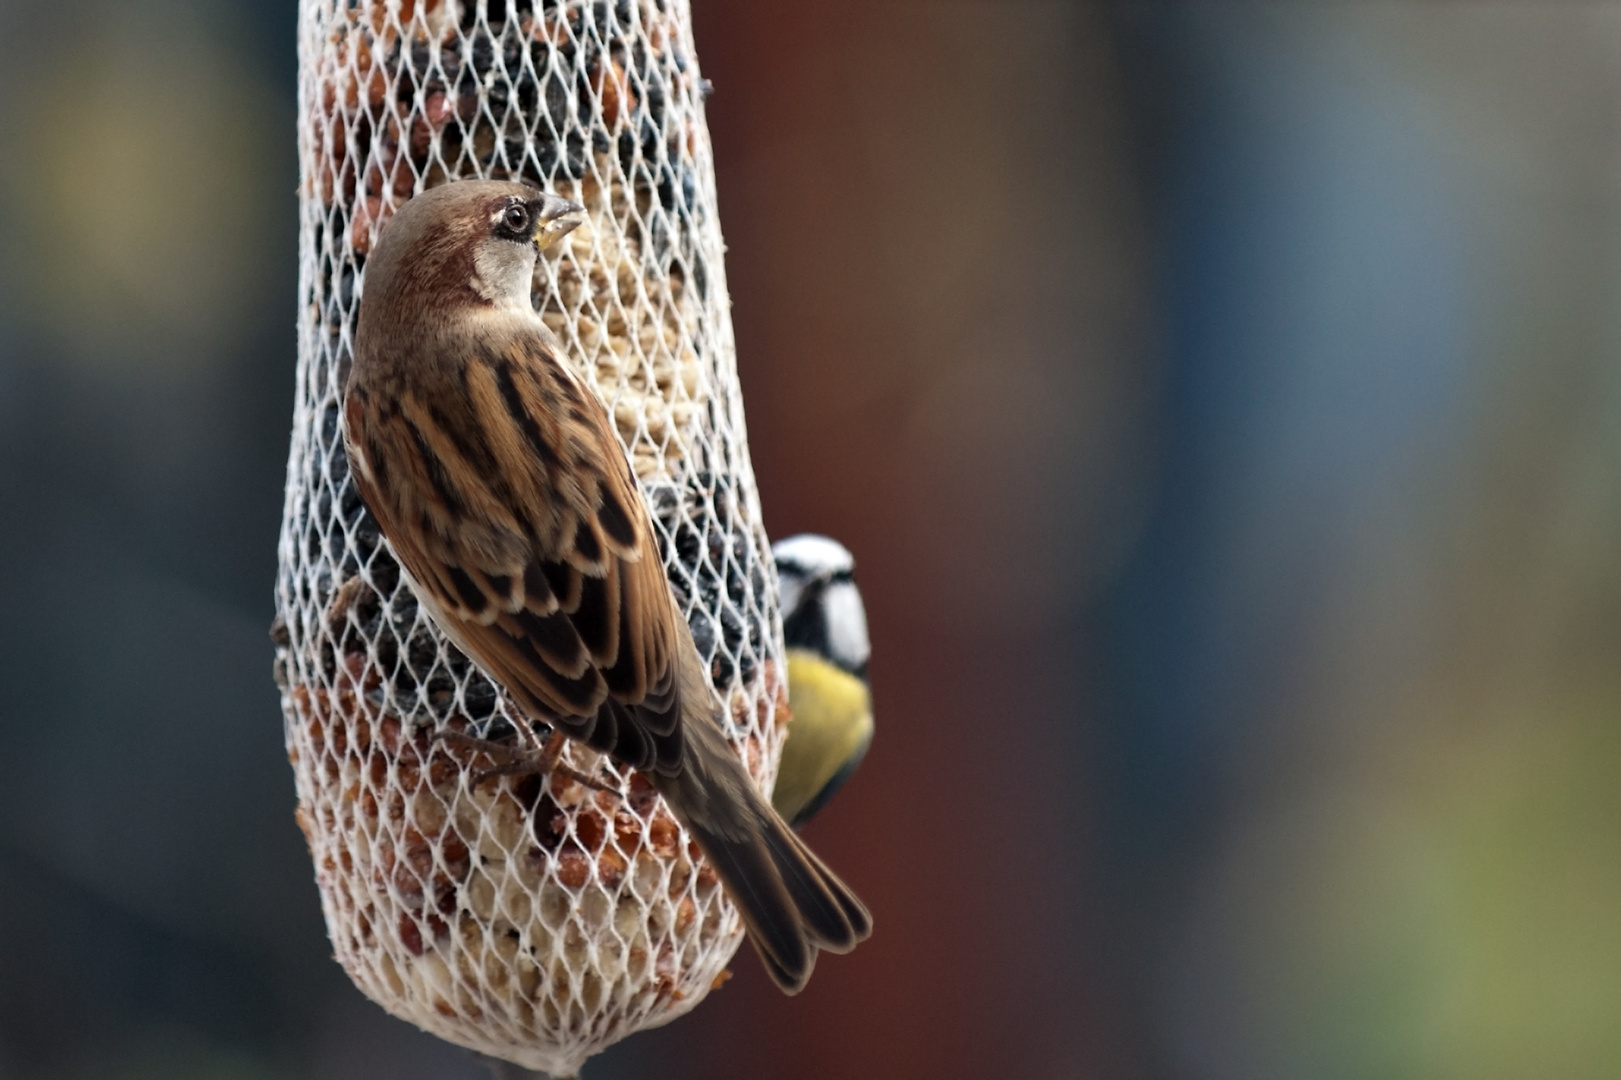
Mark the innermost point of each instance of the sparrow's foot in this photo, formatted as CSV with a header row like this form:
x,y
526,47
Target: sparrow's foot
x,y
473,742
547,760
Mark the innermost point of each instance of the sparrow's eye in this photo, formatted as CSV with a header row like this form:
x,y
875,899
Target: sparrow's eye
x,y
516,219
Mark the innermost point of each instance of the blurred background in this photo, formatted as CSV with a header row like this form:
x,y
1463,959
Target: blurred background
x,y
1222,403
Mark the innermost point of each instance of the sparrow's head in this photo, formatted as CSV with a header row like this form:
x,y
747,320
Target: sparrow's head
x,y
821,606
467,242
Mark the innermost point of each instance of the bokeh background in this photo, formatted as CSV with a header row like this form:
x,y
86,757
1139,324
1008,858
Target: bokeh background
x,y
1221,400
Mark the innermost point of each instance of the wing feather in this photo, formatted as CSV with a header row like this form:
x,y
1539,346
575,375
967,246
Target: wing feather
x,y
509,501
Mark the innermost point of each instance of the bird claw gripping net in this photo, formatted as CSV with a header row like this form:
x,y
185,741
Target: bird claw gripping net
x,y
527,917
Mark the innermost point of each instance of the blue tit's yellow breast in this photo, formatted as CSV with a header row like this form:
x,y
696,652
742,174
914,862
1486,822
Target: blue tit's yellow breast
x,y
831,729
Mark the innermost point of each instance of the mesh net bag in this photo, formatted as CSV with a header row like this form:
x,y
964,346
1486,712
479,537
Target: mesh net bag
x,y
531,919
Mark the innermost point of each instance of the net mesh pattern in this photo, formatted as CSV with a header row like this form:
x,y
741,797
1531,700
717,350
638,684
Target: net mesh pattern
x,y
529,918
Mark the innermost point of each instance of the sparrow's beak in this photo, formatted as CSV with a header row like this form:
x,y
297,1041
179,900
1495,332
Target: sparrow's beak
x,y
556,218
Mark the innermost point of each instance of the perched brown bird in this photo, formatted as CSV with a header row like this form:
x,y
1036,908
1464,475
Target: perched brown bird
x,y
496,476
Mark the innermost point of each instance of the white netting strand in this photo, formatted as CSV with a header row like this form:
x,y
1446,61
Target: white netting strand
x,y
527,918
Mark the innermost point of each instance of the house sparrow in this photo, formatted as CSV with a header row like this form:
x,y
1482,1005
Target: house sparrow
x,y
497,478
825,627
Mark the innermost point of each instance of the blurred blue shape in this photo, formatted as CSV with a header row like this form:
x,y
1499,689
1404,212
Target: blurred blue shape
x,y
1313,283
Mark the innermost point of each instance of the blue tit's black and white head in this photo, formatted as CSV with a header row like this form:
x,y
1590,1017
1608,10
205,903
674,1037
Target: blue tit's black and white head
x,y
821,606
824,625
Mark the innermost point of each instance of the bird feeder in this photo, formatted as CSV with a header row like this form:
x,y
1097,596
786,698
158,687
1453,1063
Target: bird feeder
x,y
528,918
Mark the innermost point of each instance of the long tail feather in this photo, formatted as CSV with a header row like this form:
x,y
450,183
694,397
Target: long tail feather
x,y
792,904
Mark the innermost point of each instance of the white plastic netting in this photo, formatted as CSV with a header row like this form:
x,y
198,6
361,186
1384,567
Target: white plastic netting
x,y
527,918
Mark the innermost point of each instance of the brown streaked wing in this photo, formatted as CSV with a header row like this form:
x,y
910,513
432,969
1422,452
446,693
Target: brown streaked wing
x,y
552,581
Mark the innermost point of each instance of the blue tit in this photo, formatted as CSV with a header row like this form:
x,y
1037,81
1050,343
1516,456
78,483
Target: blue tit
x,y
825,627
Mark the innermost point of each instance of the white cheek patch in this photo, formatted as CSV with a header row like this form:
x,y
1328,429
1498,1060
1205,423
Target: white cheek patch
x,y
502,272
846,624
